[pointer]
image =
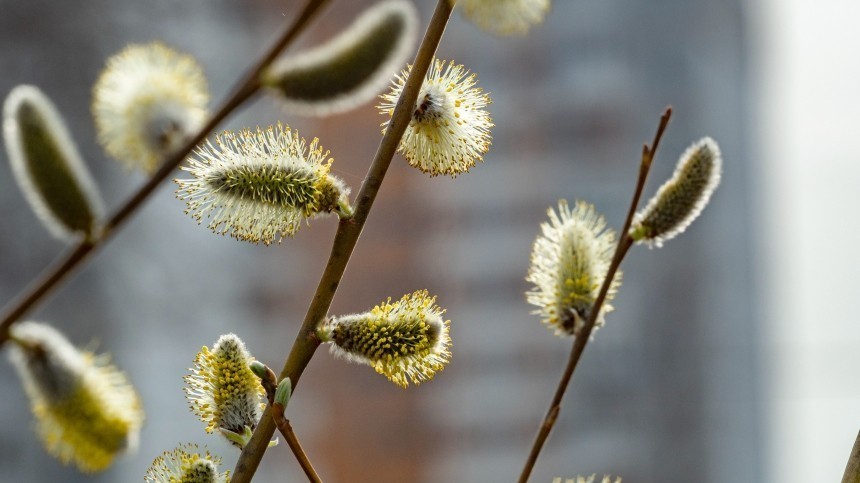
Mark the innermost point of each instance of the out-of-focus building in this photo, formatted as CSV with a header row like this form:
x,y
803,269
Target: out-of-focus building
x,y
669,390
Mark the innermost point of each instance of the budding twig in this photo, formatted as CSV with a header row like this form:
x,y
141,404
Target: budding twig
x,y
246,88
581,340
346,238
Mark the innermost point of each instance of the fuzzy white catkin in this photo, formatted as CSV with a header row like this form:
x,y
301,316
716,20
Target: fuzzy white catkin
x,y
449,131
350,69
682,198
47,166
186,464
86,411
505,17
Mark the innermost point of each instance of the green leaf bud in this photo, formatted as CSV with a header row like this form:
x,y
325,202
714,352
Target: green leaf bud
x,y
186,464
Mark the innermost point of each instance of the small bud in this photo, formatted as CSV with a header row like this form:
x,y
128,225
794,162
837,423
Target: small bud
x,y
258,186
405,341
284,392
147,101
223,391
47,165
350,69
450,127
186,464
505,17
86,411
569,262
681,199
259,369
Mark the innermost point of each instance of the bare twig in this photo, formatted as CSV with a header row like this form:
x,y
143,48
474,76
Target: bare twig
x,y
581,340
852,469
286,429
244,90
346,238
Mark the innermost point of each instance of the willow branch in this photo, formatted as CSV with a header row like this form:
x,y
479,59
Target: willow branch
x,y
581,340
246,88
286,429
345,239
852,469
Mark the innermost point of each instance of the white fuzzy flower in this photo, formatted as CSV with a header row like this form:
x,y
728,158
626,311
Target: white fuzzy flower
x,y
86,410
148,100
406,340
350,69
186,464
682,198
258,186
568,265
450,127
505,17
47,165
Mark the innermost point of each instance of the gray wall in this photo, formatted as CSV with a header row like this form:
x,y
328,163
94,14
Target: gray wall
x,y
665,393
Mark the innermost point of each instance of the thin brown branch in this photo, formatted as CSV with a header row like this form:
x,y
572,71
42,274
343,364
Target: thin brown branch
x,y
286,429
346,238
581,340
852,469
46,282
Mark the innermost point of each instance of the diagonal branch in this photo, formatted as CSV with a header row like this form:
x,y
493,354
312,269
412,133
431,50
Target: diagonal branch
x,y
581,340
47,281
286,429
347,235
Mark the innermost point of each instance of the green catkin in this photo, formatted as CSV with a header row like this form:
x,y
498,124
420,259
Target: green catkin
x,y
47,165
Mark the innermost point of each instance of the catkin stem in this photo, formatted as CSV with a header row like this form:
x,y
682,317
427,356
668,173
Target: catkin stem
x,y
581,340
346,238
48,280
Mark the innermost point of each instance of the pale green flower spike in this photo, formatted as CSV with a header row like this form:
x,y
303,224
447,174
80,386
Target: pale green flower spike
x,y
259,186
584,479
350,69
186,464
405,341
505,17
569,261
681,199
146,103
450,127
86,411
223,390
48,167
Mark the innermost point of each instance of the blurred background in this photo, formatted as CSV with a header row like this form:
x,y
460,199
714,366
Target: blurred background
x,y
732,355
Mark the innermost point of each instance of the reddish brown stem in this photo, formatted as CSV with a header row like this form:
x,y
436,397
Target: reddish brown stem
x,y
581,340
